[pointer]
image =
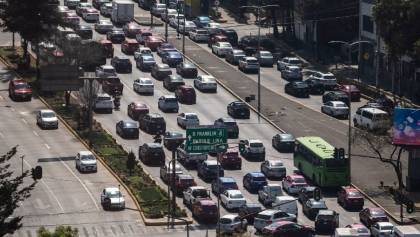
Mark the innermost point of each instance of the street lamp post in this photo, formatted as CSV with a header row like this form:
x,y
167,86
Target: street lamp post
x,y
183,33
177,27
166,22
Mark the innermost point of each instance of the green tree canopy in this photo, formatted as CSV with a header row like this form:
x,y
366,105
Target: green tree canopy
x,y
60,231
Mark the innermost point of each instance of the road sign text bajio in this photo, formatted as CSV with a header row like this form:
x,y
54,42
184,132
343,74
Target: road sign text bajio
x,y
203,139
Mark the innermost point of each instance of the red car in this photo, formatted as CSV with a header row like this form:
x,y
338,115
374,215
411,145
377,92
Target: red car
x,y
293,184
350,198
153,42
137,110
205,211
355,92
131,29
186,94
108,47
288,229
183,181
371,215
217,38
230,159
20,89
129,46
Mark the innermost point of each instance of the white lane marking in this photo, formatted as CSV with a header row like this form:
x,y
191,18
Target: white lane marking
x,y
1,135
48,188
24,121
35,133
47,146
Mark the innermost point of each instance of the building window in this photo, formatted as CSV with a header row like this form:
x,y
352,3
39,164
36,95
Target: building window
x,y
367,24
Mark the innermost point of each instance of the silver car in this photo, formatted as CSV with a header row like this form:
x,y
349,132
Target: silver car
x,y
187,119
267,217
112,198
47,118
273,169
265,58
335,109
143,85
248,64
205,83
105,71
168,103
292,73
158,9
104,26
232,223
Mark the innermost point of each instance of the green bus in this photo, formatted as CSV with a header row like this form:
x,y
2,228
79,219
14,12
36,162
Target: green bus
x,y
318,160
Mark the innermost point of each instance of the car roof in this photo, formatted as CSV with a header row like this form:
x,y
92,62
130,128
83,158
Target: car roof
x,y
154,145
256,174
46,111
254,141
326,212
112,189
162,65
293,67
250,58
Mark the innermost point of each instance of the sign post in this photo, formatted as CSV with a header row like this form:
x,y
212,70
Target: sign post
x,y
204,139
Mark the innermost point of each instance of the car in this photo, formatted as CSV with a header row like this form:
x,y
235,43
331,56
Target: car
x,y
129,46
19,89
230,34
232,223
371,215
380,229
122,64
315,87
292,73
212,27
248,64
103,102
238,110
201,21
327,79
297,88
167,173
157,9
267,217
222,184
46,118
269,193
108,48
85,161
205,211
249,211
288,61
283,142
153,123
193,194
253,149
265,58
232,199
172,82
99,3
143,85
292,184
165,15
103,26
152,154
90,15
221,48
112,198
172,138
182,182
306,193
186,27
273,169
172,58
205,83
142,51
212,39
187,70
209,170
234,56
311,207
127,129
137,110
335,109
106,9
335,96
71,3
249,44
115,36
176,20
186,94
199,35
168,103
230,159
112,86
254,181
185,120
84,31
326,221
386,103
141,38
165,46
231,126
145,62
351,90
105,71
361,229
372,119
160,71
288,229
153,42
131,29
82,6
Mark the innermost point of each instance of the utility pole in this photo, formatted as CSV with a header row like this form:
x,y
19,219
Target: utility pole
x,y
378,55
173,187
166,22
183,33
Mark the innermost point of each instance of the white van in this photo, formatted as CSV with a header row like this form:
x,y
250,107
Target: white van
x,y
406,231
345,232
371,119
287,204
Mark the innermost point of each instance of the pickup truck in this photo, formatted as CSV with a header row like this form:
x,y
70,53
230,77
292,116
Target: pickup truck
x,y
195,193
189,159
268,194
112,85
254,149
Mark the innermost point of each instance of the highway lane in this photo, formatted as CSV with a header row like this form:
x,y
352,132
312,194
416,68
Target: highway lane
x,y
63,195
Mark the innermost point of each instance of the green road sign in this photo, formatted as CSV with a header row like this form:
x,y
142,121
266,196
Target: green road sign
x,y
203,139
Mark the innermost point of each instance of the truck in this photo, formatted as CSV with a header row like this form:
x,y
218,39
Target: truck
x,y
122,12
253,149
268,194
189,159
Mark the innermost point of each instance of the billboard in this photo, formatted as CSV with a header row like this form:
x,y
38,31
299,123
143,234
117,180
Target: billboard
x,y
406,129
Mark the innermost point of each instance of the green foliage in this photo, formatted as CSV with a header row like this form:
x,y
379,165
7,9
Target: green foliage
x,y
60,231
131,161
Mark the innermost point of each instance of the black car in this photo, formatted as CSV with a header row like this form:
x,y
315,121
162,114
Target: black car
x,y
153,124
172,58
160,71
152,154
315,87
231,126
249,211
311,207
230,34
84,31
306,193
122,64
326,221
208,169
172,82
127,129
297,88
187,70
115,36
283,142
238,110
171,139
335,96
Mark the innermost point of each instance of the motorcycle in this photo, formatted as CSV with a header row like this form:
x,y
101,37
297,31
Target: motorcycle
x,y
157,139
117,103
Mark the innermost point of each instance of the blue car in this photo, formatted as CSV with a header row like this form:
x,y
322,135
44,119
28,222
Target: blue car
x,y
201,21
172,58
254,181
222,184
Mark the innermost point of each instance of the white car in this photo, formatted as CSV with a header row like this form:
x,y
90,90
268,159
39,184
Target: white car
x,y
232,223
86,161
288,61
165,17
221,48
143,85
267,217
158,9
273,168
327,79
106,9
189,26
47,118
212,27
105,71
194,193
335,109
173,21
187,119
142,51
199,35
382,229
103,26
112,198
232,199
205,83
166,171
249,64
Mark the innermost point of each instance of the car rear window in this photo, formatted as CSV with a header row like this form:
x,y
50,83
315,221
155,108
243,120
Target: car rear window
x,y
329,77
256,144
252,61
225,221
200,193
294,62
113,80
326,217
264,217
130,125
299,180
22,86
191,116
124,60
377,213
232,123
258,178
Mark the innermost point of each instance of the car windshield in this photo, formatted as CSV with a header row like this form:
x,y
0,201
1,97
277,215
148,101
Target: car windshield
x,y
191,116
319,204
379,117
148,59
225,221
87,157
377,213
109,70
209,208
175,135
294,69
48,115
326,217
277,164
200,193
264,217
202,32
171,100
329,77
190,24
115,194
294,62
124,60
266,54
213,167
256,144
252,61
225,45
230,123
22,86
341,105
204,19
174,55
362,231
240,105
287,137
301,85
130,125
299,180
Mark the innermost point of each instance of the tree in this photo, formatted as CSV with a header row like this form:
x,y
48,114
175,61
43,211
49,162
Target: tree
x,y
12,192
60,231
131,162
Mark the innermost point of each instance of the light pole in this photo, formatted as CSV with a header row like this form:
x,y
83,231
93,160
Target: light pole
x,y
166,22
349,45
177,27
183,32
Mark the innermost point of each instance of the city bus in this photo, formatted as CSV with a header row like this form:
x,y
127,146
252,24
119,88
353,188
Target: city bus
x,y
324,164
